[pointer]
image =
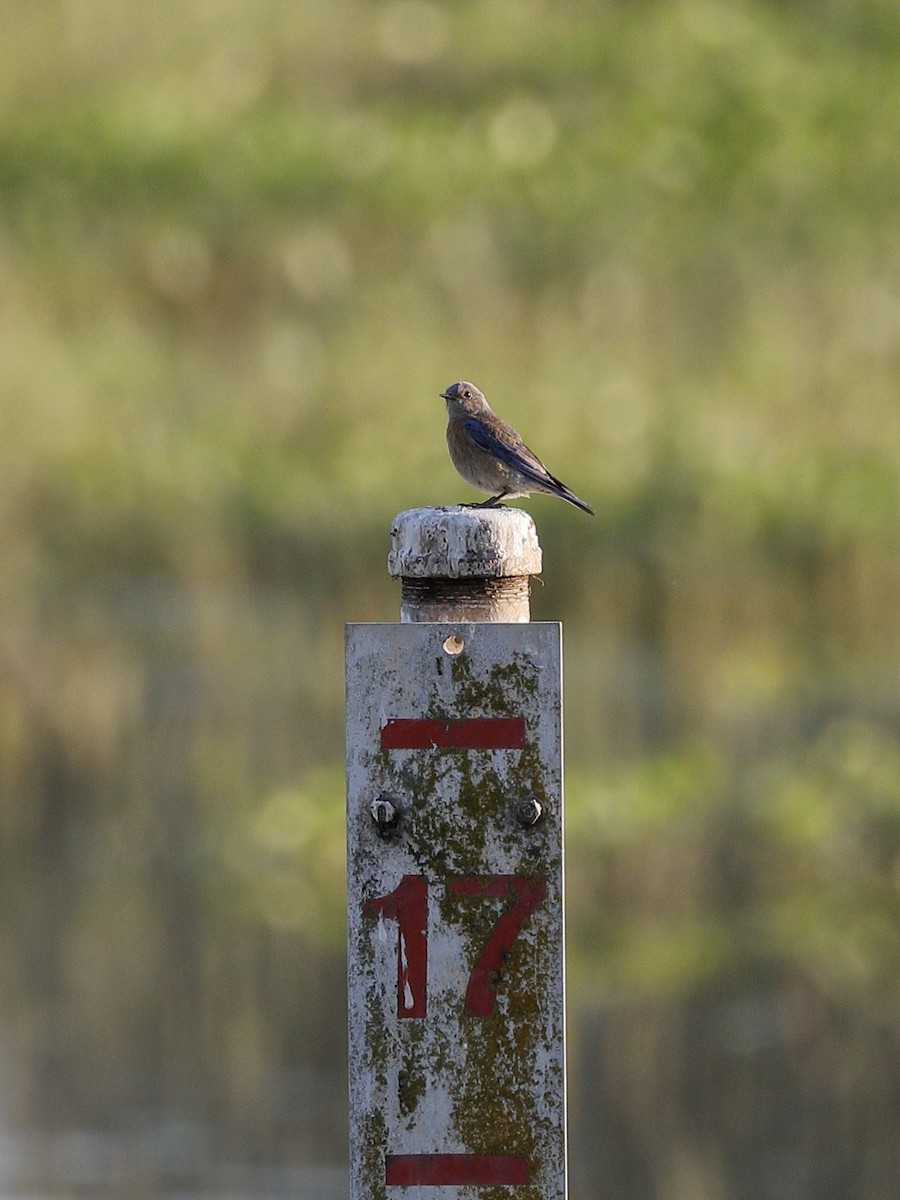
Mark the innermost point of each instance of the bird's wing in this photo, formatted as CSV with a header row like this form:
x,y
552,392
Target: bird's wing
x,y
505,444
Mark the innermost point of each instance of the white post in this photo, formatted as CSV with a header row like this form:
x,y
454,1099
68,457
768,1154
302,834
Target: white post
x,y
454,846
464,564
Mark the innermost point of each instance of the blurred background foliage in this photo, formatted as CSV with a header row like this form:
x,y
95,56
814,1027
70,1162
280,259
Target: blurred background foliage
x,y
243,246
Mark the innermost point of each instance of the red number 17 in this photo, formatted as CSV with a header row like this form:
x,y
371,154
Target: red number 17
x,y
407,904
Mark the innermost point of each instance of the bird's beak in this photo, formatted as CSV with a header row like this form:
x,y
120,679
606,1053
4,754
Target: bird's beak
x,y
446,395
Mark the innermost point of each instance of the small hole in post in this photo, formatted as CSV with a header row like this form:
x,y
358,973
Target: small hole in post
x,y
454,645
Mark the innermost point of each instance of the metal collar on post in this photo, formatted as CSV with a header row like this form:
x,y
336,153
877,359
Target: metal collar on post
x,y
464,564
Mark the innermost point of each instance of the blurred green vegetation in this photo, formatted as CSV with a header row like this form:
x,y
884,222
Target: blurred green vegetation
x,y
243,247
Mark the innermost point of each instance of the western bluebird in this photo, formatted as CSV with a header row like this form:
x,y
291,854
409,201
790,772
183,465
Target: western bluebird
x,y
491,456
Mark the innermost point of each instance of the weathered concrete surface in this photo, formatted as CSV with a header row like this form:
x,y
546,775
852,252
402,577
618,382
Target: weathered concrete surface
x,y
464,564
455,543
455,912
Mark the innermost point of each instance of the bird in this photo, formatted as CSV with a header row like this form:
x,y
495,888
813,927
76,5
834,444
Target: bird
x,y
491,456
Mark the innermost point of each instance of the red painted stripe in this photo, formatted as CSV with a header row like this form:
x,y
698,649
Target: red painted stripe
x,y
402,1170
472,733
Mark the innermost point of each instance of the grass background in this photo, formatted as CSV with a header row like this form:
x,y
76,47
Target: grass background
x,y
243,247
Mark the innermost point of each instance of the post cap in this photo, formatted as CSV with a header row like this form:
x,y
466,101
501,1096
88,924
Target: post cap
x,y
455,542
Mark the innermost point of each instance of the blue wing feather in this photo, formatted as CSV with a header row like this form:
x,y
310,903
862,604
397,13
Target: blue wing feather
x,y
486,439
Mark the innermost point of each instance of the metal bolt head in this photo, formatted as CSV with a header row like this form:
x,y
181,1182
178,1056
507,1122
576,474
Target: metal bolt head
x,y
384,813
528,811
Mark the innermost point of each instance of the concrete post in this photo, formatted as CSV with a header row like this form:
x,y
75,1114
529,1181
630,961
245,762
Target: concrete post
x,y
464,564
454,849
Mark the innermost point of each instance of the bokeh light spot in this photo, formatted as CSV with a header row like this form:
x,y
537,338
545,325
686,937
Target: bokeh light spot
x,y
413,32
523,132
317,262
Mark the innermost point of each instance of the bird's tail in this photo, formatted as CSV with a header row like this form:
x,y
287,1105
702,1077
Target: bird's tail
x,y
573,499
565,494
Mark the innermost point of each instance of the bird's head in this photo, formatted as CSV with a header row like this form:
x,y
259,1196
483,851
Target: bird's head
x,y
464,400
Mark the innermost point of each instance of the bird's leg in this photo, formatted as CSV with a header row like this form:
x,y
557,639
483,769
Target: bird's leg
x,y
492,502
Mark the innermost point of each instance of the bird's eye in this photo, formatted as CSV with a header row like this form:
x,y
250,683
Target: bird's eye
x,y
467,395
